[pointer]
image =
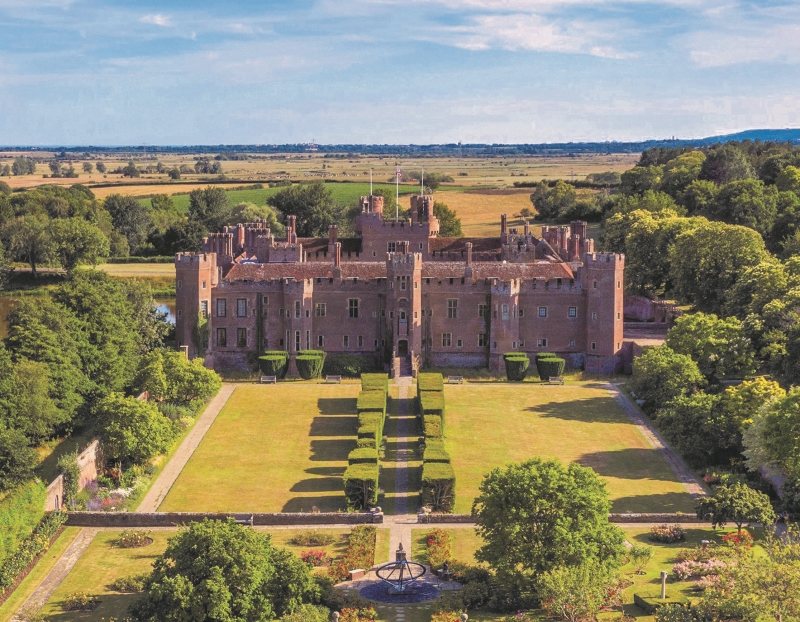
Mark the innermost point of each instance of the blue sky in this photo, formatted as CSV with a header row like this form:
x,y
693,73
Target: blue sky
x,y
386,71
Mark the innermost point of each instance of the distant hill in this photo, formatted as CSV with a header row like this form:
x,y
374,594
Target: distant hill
x,y
780,136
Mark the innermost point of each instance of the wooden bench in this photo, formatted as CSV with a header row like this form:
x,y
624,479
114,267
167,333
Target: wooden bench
x,y
243,519
269,379
333,380
455,380
555,380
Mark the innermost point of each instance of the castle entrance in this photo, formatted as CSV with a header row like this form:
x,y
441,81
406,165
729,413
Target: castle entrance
x,y
402,347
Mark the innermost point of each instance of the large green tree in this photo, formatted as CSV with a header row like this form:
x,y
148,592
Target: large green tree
x,y
449,222
132,431
680,172
313,205
552,203
660,374
640,179
209,207
221,571
539,515
746,202
27,240
130,218
737,504
725,164
75,241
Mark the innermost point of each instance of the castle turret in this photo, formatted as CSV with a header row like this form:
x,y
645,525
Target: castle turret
x,y
195,276
404,300
603,281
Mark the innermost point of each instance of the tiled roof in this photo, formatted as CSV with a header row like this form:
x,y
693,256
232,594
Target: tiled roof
x,y
306,270
313,245
490,269
479,245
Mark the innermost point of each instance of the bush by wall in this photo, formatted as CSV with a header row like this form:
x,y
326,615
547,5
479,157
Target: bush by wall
x,y
274,363
366,442
347,365
361,486
21,509
375,382
435,451
437,548
29,547
548,367
309,363
363,455
517,364
438,486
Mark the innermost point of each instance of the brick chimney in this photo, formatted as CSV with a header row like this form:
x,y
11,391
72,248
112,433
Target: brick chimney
x,y
469,253
337,255
503,224
526,229
291,229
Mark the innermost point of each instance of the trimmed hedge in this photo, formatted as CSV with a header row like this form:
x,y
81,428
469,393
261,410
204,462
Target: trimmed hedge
x,y
309,363
347,365
432,403
366,442
372,420
432,426
21,509
361,485
31,546
375,382
548,367
370,431
544,355
374,401
428,381
517,364
438,486
274,363
363,456
435,451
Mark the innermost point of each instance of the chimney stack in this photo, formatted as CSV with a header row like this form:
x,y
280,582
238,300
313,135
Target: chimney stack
x,y
337,255
469,253
503,224
333,234
526,229
291,229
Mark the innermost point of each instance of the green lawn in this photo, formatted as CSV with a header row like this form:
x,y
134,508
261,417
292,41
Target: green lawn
x,y
489,425
273,448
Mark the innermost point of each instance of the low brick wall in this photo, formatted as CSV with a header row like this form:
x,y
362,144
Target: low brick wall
x,y
87,462
614,518
173,519
445,518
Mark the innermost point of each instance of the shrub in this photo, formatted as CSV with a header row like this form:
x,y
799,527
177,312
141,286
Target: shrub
x,y
428,381
363,456
366,443
274,363
667,534
364,614
432,426
446,616
375,382
437,548
544,355
674,612
688,569
30,547
67,465
309,363
313,538
134,538
465,574
360,552
438,486
132,583
432,403
370,431
640,556
347,365
517,364
435,451
361,485
79,601
315,558
20,512
549,367
308,613
371,401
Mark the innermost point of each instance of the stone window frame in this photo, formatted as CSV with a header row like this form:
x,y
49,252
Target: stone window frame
x,y
572,312
541,342
222,337
320,341
320,309
298,309
452,308
483,340
345,341
352,309
222,303
447,340
240,332
542,312
241,303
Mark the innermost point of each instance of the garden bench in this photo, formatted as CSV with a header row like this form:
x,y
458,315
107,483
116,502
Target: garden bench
x,y
269,379
555,380
243,519
455,380
333,380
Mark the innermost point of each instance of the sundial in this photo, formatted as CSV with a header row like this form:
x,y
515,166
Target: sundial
x,y
399,582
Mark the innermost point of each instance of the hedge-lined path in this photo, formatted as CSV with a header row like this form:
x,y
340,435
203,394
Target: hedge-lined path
x,y
404,450
158,491
676,463
54,578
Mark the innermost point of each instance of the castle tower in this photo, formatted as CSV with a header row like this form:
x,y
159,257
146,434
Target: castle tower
x,y
195,275
404,300
603,282
504,322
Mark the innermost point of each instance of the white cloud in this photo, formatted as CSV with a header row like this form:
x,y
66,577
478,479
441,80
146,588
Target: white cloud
x,y
778,43
157,19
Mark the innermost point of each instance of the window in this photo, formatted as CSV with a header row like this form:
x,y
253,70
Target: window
x,y
180,284
571,343
594,315
376,343
361,341
513,345
241,307
452,309
618,345
241,337
460,343
266,300
402,282
222,307
346,341
222,338
594,284
281,343
617,314
204,284
352,305
319,309
505,312
204,307
594,346
447,339
542,311
320,342
391,247
619,284
180,313
572,312
521,312
266,343
521,343
420,246
541,343
297,308
483,310
281,312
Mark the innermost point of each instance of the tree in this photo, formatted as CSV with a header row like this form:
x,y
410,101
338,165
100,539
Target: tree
x,y
23,166
87,167
649,200
101,166
218,570
209,207
133,431
28,242
789,179
188,381
130,218
772,439
746,202
737,504
680,173
575,593
130,170
726,164
248,212
743,402
549,202
640,556
640,179
698,195
182,237
757,286
150,376
148,324
33,411
312,204
55,168
449,222
539,515
660,374
708,260
174,173
17,459
719,346
5,269
75,241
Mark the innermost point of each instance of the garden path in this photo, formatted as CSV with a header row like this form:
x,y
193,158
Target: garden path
x,y
54,578
158,491
404,450
676,463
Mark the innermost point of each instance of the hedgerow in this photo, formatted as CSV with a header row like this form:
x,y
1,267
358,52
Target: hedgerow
x,y
435,451
363,456
375,382
432,426
20,511
28,548
348,365
438,486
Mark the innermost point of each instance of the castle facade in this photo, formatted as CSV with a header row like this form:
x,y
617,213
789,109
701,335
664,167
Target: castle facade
x,y
399,291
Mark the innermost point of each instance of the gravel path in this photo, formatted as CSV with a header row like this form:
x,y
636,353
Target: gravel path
x,y
169,475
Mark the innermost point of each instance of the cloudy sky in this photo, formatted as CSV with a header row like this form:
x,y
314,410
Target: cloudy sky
x,y
391,71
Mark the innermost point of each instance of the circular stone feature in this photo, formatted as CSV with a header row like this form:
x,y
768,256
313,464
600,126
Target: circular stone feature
x,y
415,593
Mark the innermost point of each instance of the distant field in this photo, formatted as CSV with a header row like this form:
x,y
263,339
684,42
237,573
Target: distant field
x,y
138,269
480,213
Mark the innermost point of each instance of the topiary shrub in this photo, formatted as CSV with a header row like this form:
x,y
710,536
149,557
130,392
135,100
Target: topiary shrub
x,y
363,456
438,486
361,485
371,419
371,432
366,442
310,363
432,426
429,381
517,364
373,401
375,382
435,451
347,365
549,367
274,363
544,355
432,403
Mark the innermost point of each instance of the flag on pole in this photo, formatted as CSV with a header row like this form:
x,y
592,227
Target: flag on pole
x,y
399,174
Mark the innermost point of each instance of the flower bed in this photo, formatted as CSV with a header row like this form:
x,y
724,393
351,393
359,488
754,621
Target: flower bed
x,y
315,559
360,553
691,569
438,548
29,548
667,534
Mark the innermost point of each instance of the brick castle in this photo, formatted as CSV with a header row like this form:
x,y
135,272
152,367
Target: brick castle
x,y
398,292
